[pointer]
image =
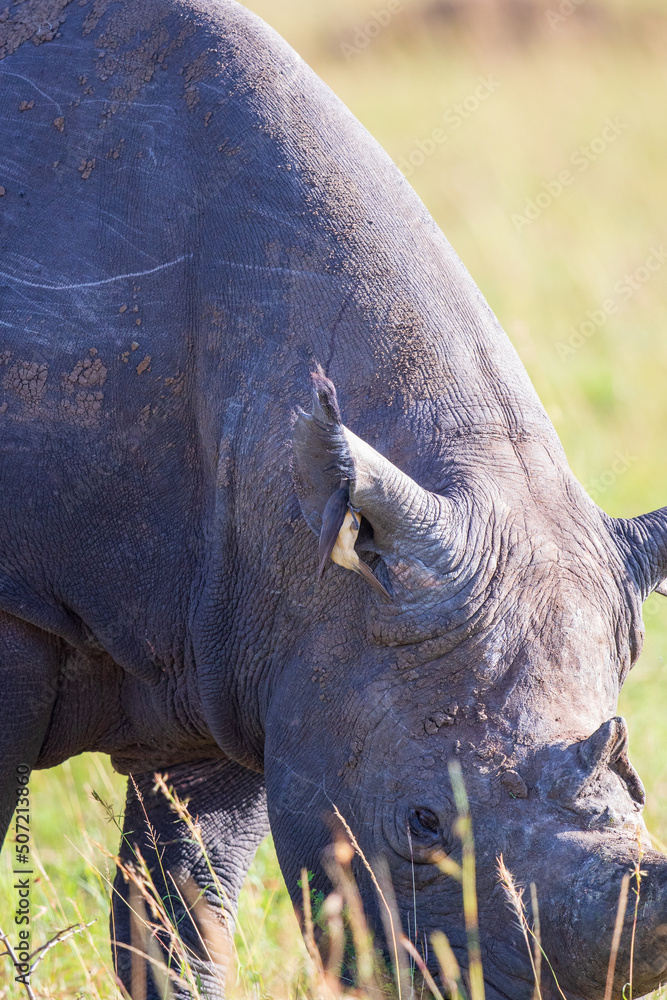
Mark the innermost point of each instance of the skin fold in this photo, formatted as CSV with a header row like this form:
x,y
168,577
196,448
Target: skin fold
x,y
192,225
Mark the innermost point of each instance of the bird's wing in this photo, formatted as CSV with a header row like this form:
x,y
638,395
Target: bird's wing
x,y
332,522
369,576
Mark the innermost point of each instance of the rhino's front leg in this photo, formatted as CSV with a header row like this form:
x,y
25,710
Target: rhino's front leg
x,y
29,663
229,803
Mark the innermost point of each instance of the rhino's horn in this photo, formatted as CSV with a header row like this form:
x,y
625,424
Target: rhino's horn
x,y
578,777
406,519
644,543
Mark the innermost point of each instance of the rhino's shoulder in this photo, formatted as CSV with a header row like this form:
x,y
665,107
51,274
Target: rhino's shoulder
x,y
135,38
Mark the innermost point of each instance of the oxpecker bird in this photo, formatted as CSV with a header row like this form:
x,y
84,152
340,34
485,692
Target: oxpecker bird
x,y
340,528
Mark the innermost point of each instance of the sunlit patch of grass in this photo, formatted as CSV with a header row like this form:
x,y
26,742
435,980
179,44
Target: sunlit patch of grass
x,y
66,888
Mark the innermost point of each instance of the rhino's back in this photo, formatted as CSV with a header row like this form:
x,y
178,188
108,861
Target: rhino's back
x,y
98,455
178,158
190,220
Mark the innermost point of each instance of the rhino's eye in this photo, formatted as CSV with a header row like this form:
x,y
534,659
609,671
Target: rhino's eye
x,y
423,822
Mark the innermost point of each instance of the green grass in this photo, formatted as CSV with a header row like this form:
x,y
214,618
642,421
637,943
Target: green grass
x,y
71,881
605,399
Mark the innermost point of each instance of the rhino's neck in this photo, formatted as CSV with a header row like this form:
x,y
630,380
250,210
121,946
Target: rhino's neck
x,y
335,260
440,357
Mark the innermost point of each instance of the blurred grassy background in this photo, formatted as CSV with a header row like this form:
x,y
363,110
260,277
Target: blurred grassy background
x,y
562,70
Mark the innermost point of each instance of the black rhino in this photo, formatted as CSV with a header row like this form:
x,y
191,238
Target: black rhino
x,y
191,224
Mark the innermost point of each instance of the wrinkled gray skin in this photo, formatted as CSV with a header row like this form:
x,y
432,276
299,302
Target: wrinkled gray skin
x,y
182,167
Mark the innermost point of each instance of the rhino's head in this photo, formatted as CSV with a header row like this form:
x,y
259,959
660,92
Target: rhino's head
x,y
515,615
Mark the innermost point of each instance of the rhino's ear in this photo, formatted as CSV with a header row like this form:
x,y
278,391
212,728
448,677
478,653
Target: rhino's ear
x,y
643,541
406,520
321,455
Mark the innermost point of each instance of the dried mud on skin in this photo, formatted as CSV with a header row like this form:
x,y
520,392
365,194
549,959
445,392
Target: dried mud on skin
x,y
130,67
27,381
34,20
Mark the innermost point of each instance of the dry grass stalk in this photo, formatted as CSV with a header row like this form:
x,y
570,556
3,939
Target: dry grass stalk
x,y
616,938
14,959
448,866
515,896
341,873
421,965
309,933
214,934
181,810
326,982
537,940
637,874
145,898
140,876
332,911
468,882
402,971
38,954
138,926
449,967
217,941
390,916
144,893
